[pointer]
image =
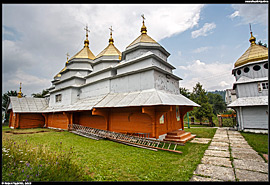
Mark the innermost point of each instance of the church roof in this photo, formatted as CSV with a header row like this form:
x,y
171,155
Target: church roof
x,y
250,101
110,50
27,104
253,53
85,52
143,37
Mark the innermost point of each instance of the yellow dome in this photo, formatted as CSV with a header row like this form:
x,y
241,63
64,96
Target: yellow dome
x,y
253,53
110,50
143,37
85,52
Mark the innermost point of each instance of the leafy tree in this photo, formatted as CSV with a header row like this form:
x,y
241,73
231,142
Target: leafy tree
x,y
261,44
41,94
216,102
6,95
5,99
184,92
199,96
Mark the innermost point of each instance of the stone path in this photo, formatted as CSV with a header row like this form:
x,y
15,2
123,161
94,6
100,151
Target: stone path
x,y
230,158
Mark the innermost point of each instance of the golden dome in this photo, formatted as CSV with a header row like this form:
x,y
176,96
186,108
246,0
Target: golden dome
x,y
143,37
85,52
110,50
253,53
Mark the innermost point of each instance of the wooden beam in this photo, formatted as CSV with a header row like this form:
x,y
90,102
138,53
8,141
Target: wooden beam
x,y
104,113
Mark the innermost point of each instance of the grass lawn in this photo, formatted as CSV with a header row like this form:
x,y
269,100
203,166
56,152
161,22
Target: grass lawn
x,y
259,142
105,160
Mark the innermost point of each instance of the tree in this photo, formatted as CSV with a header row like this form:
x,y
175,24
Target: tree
x,y
216,102
199,96
184,92
41,94
5,99
261,44
6,95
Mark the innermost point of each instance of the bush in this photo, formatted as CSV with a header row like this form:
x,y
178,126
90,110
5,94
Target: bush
x,y
24,162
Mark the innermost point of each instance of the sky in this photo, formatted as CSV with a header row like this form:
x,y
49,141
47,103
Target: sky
x,y
204,40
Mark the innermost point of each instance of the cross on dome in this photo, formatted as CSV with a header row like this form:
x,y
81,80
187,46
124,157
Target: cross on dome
x,y
111,39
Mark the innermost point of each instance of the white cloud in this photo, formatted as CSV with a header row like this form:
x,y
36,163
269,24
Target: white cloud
x,y
48,32
252,13
204,31
213,76
234,14
201,49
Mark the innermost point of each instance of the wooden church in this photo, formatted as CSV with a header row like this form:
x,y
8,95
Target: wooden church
x,y
134,91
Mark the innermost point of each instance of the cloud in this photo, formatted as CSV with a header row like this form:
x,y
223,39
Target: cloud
x,y
37,37
234,14
204,31
201,49
252,13
213,76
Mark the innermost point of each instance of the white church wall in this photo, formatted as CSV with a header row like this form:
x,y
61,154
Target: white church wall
x,y
250,90
94,89
166,83
104,64
79,65
133,82
72,81
255,117
132,66
98,76
161,65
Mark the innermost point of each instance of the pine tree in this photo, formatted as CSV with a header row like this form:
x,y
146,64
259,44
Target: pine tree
x,y
199,96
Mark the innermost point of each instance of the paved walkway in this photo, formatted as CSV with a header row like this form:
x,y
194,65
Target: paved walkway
x,y
230,158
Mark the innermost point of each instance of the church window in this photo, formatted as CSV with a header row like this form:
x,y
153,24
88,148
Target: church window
x,y
239,72
265,85
177,113
58,98
161,120
256,68
265,65
262,86
246,70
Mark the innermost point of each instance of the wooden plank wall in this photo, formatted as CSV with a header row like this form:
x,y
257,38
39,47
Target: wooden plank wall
x,y
130,120
28,120
58,120
87,119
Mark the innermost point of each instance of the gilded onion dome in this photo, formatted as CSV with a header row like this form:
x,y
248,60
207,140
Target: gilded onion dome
x,y
85,52
143,37
254,53
110,50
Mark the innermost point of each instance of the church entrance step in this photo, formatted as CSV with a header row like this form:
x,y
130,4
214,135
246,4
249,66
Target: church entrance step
x,y
179,136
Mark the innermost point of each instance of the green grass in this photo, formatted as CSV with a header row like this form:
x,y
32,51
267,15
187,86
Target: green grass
x,y
259,142
105,160
202,132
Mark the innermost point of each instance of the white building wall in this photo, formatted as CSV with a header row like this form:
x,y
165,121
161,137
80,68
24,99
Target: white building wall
x,y
73,81
162,82
104,64
133,82
94,89
79,65
255,117
250,90
134,66
70,73
98,76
